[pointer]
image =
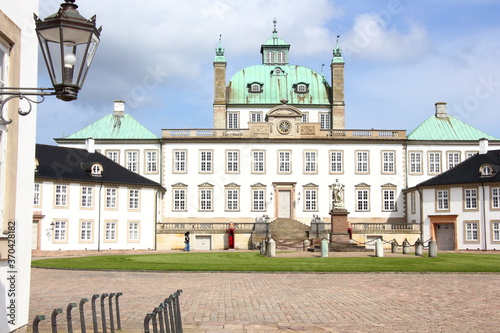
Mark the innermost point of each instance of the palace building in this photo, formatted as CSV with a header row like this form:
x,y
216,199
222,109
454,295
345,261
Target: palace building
x,y
277,148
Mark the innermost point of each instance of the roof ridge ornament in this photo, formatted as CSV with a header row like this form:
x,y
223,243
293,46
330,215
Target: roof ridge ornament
x,y
275,32
219,51
337,52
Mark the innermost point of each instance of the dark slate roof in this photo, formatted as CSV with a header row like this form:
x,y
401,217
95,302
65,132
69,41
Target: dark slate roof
x,y
71,164
468,171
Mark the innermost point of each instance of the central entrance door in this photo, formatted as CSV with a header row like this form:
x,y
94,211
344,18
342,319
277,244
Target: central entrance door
x,y
445,236
284,204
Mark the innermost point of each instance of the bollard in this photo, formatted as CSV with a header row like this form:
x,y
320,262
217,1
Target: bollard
x,y
271,248
153,320
177,311
324,248
307,243
394,247
82,315
169,301
94,313
103,313
53,319
263,247
117,306
37,319
419,247
406,246
165,316
111,320
146,322
379,248
160,317
432,249
68,316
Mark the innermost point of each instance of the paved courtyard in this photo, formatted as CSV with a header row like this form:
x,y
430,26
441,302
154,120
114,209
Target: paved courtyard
x,y
284,302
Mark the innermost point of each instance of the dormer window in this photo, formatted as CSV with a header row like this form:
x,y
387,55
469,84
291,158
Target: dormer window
x,y
278,71
93,168
96,170
255,87
301,88
486,170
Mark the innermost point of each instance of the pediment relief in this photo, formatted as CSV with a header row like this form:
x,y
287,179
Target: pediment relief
x,y
205,185
310,185
258,185
362,185
179,185
284,110
389,185
232,185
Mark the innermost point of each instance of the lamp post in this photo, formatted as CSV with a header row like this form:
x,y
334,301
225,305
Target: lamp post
x,y
68,42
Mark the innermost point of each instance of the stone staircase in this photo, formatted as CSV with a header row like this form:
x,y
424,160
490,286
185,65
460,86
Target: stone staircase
x,y
289,234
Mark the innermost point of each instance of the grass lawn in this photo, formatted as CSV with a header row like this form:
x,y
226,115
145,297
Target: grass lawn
x,y
254,262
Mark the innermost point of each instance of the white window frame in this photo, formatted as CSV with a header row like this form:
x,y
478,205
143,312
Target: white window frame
x,y
134,231
471,233
206,161
151,160
36,194
256,117
415,158
113,155
258,161
86,197
110,231
61,196
495,198
206,199
233,120
389,200
443,200
284,161
453,159
336,162
232,161
134,196
179,199
434,163
60,230
86,231
495,231
325,120
310,162
310,199
281,57
232,199
179,160
388,162
362,162
362,199
111,198
132,160
305,117
258,200
470,199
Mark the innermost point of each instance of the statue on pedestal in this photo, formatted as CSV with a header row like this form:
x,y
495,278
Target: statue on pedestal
x,y
338,195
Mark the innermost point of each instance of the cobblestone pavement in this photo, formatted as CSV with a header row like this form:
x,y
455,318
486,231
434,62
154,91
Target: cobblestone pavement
x,y
284,302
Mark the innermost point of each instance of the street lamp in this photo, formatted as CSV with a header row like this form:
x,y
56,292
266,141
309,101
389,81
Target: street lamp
x,y
68,42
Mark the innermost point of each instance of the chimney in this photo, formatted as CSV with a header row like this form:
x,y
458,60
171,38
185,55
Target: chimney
x,y
441,110
119,109
483,146
90,145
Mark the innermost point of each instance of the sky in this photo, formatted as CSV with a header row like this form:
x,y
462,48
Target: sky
x,y
401,57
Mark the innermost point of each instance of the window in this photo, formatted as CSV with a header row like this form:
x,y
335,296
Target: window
x,y
388,164
324,119
36,195
133,231
86,197
362,162
495,197
453,159
206,199
305,117
471,231
310,165
179,161
486,170
132,162
389,200
232,161
3,65
301,88
284,162
110,232
336,162
311,200
61,195
256,117
60,230
415,162
111,198
258,161
269,57
133,199
206,157
277,71
232,199
434,162
232,120
412,203
442,197
495,227
469,154
96,170
362,200
85,230
281,57
151,161
113,155
179,199
255,88
470,195
258,200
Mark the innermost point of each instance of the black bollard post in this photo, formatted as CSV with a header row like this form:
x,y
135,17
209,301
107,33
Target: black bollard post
x,y
111,320
147,319
53,319
94,313
169,302
103,313
153,320
117,306
37,319
68,316
177,308
165,316
82,315
160,318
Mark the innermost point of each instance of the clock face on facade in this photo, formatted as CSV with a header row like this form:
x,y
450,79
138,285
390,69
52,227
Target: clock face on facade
x,y
284,127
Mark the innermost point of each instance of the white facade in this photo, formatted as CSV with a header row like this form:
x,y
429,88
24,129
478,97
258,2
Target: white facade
x,y
94,216
17,144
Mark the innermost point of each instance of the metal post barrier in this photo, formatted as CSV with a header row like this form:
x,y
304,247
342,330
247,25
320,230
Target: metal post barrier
x,y
147,319
177,311
53,319
103,313
111,320
160,318
117,306
169,302
94,313
68,316
82,315
165,316
153,320
37,319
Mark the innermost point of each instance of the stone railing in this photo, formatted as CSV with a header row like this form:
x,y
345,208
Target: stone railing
x,y
385,227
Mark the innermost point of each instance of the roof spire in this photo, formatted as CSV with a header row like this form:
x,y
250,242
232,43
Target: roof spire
x,y
275,32
219,52
337,52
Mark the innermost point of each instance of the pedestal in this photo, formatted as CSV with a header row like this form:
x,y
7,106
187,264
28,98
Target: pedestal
x,y
339,237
